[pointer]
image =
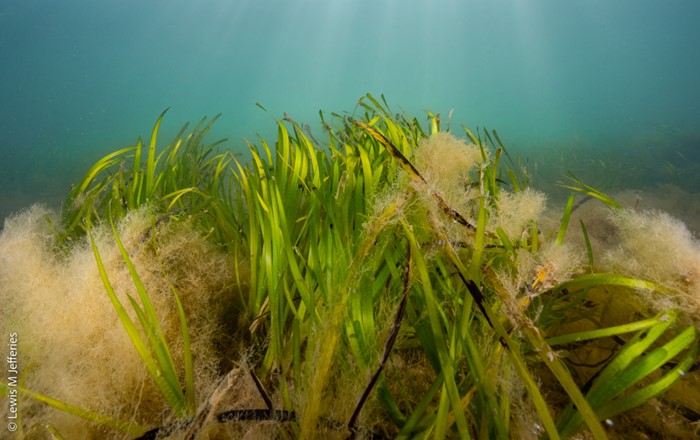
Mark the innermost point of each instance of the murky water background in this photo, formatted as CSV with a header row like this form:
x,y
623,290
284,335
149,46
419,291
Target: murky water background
x,y
601,87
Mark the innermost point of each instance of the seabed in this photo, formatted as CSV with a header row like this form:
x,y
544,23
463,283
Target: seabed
x,y
389,278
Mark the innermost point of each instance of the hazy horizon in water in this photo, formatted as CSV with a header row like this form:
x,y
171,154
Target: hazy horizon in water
x,y
83,78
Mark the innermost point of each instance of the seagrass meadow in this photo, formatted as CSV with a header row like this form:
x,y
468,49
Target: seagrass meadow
x,y
391,276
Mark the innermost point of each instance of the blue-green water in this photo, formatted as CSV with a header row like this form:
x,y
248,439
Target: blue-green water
x,y
80,78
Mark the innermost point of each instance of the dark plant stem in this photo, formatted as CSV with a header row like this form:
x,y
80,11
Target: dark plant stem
x,y
387,349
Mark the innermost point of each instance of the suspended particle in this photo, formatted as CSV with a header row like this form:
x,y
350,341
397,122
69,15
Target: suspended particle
x,y
609,423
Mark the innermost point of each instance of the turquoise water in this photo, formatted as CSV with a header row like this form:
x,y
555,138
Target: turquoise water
x,y
80,78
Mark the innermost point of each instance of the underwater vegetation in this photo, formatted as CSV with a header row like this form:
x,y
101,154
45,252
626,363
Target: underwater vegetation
x,y
658,161
394,281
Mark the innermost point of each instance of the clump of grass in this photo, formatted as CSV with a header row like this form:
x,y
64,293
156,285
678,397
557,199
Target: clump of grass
x,y
75,350
179,178
389,245
658,247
